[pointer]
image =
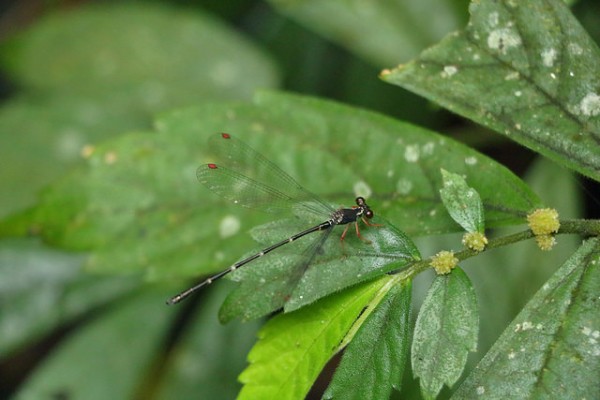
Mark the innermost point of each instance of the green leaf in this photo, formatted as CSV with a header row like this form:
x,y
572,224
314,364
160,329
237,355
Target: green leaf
x,y
107,358
138,206
292,284
526,69
97,71
164,56
505,279
445,332
294,347
383,32
551,348
42,288
208,357
462,202
401,162
373,363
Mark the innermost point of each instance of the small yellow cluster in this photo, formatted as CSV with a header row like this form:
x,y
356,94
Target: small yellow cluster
x,y
444,262
545,242
544,224
474,241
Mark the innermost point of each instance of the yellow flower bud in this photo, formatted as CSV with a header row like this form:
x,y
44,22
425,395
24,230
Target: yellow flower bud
x,y
543,221
545,242
474,241
443,262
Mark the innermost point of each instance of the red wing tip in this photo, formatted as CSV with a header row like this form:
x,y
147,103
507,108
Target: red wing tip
x,y
225,135
212,166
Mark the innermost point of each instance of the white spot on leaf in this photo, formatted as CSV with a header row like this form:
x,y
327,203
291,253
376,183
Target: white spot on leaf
x,y
449,70
428,148
229,226
404,186
526,325
471,160
590,105
503,39
548,57
575,49
411,153
494,18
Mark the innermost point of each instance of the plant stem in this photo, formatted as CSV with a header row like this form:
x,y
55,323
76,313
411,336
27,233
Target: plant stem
x,y
583,227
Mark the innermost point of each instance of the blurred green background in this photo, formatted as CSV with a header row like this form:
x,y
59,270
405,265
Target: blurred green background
x,y
76,73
